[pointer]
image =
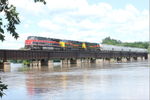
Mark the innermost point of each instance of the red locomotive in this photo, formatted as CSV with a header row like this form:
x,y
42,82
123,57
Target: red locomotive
x,y
43,43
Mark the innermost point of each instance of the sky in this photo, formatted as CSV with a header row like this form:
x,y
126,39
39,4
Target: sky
x,y
82,20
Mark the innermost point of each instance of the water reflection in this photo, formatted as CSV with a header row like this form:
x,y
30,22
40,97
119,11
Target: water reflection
x,y
117,81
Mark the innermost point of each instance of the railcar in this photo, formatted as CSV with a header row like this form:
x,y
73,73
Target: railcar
x,y
44,43
105,47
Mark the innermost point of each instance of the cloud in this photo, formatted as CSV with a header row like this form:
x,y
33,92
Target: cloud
x,y
49,25
102,17
100,9
66,4
28,5
80,20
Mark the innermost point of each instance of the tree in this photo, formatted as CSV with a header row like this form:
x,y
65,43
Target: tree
x,y
149,49
11,16
110,41
2,87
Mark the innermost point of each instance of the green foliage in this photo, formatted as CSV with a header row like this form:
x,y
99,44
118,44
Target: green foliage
x,y
149,48
2,88
40,1
16,61
137,44
11,16
110,41
26,62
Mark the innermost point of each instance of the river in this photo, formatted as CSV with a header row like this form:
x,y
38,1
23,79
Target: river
x,y
115,81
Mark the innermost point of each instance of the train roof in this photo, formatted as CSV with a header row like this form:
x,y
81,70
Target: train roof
x,y
61,39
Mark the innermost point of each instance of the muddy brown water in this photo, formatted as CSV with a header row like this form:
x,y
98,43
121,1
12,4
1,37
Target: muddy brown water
x,y
115,81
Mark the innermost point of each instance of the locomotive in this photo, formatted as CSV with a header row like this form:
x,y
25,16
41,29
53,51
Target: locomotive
x,y
44,43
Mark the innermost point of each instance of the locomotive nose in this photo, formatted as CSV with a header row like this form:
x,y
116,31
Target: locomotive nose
x,y
27,42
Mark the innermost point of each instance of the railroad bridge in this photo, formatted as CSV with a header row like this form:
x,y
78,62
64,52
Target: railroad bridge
x,y
67,56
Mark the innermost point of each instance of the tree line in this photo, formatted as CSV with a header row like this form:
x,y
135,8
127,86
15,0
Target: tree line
x,y
111,41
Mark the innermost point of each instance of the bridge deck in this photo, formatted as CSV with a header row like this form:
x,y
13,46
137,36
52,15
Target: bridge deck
x,y
40,54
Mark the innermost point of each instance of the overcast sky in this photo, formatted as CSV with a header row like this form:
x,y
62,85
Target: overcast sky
x,y
83,20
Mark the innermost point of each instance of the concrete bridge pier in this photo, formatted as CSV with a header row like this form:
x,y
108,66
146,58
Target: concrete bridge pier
x,y
79,61
85,60
35,63
99,61
133,59
39,63
50,63
124,59
148,57
106,60
75,61
5,66
113,60
65,61
140,58
144,58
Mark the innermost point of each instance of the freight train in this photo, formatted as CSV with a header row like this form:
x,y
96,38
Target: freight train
x,y
44,43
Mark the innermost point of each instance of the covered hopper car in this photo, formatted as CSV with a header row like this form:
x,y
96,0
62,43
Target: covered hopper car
x,y
105,47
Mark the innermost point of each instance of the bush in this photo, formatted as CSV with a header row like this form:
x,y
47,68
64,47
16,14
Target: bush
x,y
2,88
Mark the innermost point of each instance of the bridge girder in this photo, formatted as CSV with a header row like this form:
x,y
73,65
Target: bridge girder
x,y
39,54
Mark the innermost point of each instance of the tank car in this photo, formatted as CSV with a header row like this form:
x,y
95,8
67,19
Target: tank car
x,y
105,47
